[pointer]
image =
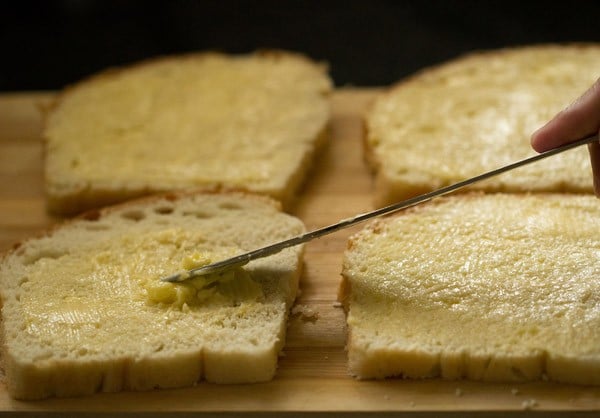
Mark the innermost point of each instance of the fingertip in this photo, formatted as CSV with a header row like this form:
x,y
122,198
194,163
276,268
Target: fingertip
x,y
538,141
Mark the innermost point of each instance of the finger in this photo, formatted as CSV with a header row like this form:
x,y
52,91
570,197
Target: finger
x,y
580,119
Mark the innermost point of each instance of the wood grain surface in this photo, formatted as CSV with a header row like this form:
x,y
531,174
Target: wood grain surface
x,y
312,376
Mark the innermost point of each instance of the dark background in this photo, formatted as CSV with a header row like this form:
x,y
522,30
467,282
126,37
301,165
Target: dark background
x,y
49,44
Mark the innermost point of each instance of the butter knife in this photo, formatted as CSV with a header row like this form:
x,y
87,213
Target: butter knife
x,y
245,258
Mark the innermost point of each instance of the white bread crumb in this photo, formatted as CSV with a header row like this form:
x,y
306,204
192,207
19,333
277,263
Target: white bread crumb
x,y
305,312
529,404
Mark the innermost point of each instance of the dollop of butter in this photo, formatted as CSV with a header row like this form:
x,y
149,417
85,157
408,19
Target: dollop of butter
x,y
195,260
230,287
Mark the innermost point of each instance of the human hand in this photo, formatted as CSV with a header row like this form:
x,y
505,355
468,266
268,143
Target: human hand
x,y
580,119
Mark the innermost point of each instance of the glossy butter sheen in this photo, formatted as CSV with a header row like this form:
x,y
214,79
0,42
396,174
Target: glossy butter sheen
x,y
198,112
490,276
60,301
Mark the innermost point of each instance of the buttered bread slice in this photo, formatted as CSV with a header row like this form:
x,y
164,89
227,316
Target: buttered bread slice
x,y
498,287
477,113
83,309
220,122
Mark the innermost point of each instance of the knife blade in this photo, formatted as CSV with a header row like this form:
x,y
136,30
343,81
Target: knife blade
x,y
268,250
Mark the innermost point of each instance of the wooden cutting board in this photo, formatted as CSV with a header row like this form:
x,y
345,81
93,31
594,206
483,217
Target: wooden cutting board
x,y
312,373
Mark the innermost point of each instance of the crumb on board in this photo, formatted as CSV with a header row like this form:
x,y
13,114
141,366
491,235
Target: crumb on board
x,y
338,304
305,312
515,391
458,392
529,404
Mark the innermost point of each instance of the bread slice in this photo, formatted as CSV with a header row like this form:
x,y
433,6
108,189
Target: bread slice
x,y
476,113
221,122
492,287
83,309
